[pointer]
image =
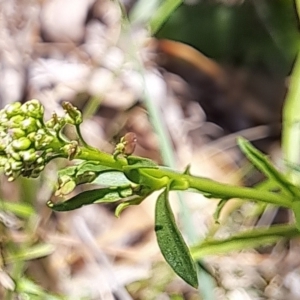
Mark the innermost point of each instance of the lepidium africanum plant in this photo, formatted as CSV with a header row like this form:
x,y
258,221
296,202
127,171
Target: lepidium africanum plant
x,y
28,143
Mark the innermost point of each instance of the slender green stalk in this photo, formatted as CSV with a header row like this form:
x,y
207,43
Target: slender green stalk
x,y
163,14
91,154
291,123
291,119
187,181
222,190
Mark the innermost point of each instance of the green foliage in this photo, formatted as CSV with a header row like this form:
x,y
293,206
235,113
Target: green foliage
x,y
251,34
171,242
128,180
16,255
241,241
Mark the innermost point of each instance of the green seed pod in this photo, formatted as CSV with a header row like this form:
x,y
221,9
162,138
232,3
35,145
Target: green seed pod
x,y
22,143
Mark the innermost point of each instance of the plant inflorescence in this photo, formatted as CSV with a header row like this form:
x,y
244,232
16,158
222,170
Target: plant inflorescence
x,y
28,143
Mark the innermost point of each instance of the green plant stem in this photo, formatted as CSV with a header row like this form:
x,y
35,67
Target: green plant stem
x,y
163,13
243,240
291,123
187,181
220,190
91,154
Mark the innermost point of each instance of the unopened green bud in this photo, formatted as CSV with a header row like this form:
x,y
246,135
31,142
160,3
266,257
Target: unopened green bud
x,y
73,115
15,121
41,132
9,149
65,185
16,165
39,169
87,177
48,150
31,136
16,133
54,123
22,143
2,131
13,109
3,160
4,120
29,155
71,149
2,144
7,166
40,161
42,141
15,155
33,108
13,175
35,173
29,124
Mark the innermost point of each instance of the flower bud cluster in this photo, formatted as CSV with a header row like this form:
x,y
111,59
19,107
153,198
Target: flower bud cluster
x,y
26,142
71,177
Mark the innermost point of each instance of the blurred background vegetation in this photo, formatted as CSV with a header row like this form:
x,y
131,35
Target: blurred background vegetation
x,y
187,78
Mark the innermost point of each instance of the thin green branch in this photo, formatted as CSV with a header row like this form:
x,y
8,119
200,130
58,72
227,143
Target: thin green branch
x,y
187,181
221,190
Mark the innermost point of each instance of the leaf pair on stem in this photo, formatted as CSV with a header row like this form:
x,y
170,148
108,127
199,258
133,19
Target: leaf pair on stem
x,y
28,143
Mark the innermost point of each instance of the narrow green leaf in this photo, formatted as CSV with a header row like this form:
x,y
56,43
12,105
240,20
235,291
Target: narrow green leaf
x,y
296,210
91,166
291,119
111,178
262,163
34,252
135,201
22,210
111,194
34,291
86,172
135,164
171,242
249,239
25,285
218,210
138,162
163,13
68,171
